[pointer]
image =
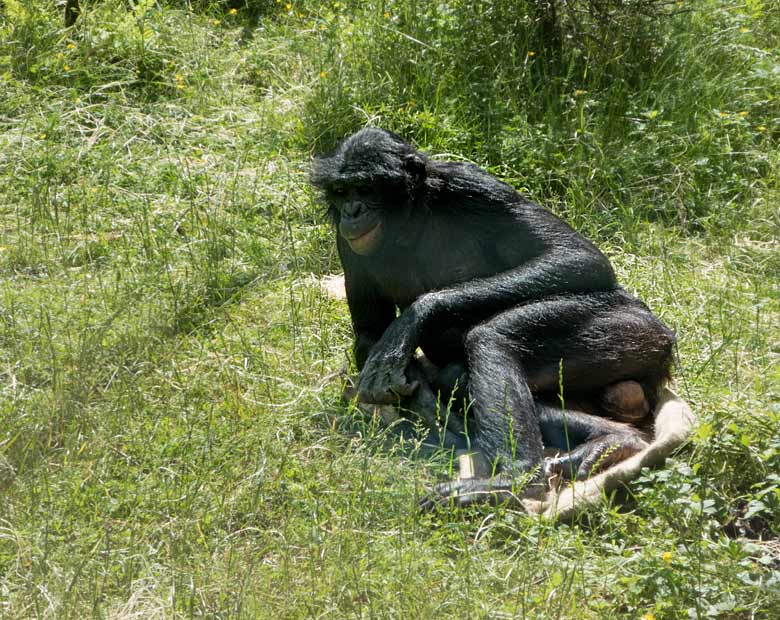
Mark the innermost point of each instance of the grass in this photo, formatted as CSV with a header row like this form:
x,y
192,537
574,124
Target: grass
x,y
172,443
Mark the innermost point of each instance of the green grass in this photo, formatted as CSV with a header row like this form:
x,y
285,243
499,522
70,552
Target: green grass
x,y
172,442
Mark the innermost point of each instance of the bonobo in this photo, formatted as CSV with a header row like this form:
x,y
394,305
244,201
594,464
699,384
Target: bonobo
x,y
512,306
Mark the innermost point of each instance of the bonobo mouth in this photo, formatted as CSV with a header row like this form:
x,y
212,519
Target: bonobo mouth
x,y
366,242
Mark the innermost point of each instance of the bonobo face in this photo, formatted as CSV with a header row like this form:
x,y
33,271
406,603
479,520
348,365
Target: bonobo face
x,y
359,218
371,182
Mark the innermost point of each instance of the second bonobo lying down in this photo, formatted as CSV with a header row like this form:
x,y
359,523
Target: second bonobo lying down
x,y
512,308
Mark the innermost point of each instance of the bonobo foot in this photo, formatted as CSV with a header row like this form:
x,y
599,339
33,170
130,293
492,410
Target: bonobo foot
x,y
594,456
500,489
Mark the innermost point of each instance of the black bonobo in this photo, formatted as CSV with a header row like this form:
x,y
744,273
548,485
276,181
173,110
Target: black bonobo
x,y
510,304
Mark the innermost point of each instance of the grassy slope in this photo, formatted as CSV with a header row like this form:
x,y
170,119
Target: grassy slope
x,y
170,445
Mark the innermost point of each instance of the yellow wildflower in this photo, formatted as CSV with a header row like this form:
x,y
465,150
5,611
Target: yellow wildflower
x,y
743,29
648,616
667,557
579,92
323,74
71,46
743,113
531,54
42,136
652,114
761,128
288,6
215,22
66,68
233,11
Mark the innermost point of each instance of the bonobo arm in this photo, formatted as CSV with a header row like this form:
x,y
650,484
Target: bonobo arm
x,y
371,313
556,272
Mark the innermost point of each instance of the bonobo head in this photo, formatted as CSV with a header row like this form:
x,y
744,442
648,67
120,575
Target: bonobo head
x,y
370,181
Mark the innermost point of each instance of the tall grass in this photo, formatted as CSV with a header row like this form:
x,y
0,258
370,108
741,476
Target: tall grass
x,y
663,116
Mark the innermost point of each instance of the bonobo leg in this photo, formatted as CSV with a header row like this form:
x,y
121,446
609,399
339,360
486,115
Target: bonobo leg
x,y
578,344
585,439
623,401
588,443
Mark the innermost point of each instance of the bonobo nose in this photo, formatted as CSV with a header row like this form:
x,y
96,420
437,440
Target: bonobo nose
x,y
352,209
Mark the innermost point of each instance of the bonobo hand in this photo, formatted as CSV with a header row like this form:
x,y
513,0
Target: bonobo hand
x,y
383,378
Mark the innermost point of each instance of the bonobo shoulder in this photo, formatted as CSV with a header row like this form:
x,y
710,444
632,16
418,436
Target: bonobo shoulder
x,y
483,199
448,179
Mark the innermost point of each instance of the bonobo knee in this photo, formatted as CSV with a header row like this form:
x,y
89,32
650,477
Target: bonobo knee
x,y
484,339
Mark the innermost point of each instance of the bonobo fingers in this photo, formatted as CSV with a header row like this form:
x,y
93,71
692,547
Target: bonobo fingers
x,y
383,377
383,380
491,491
385,389
407,388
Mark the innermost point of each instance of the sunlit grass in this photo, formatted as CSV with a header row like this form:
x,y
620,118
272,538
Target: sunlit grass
x,y
172,440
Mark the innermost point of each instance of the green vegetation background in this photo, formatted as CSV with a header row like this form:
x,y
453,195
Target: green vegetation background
x,y
172,443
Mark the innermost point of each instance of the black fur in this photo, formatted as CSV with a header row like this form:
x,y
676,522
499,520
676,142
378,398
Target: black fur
x,y
484,280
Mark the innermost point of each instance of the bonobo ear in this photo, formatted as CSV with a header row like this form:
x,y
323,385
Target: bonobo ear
x,y
415,169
